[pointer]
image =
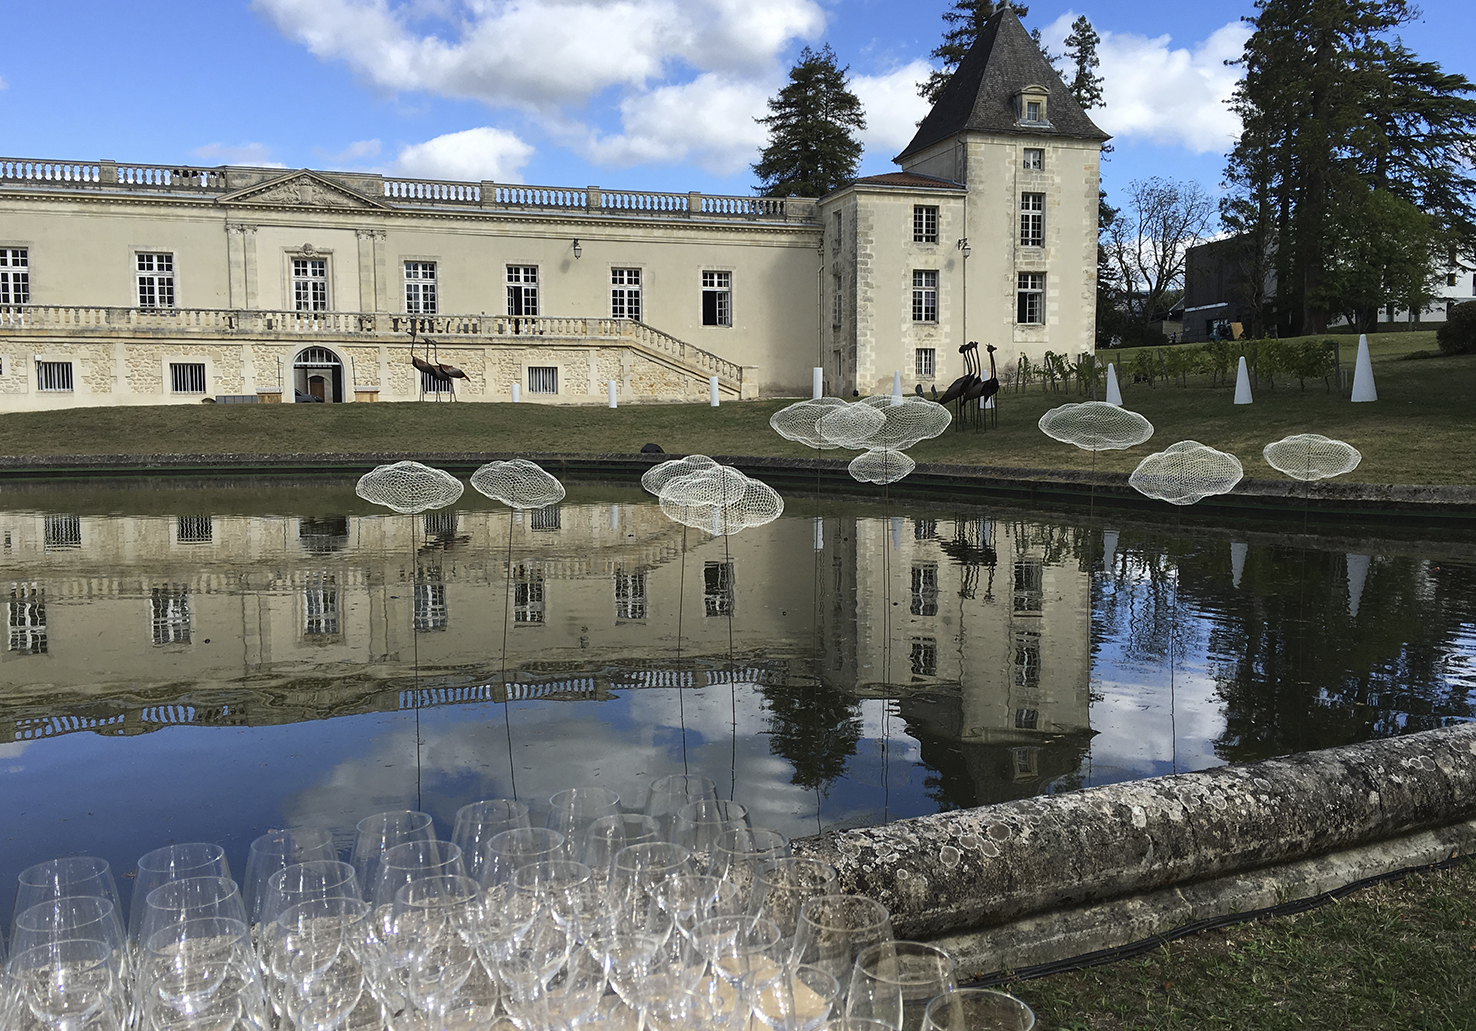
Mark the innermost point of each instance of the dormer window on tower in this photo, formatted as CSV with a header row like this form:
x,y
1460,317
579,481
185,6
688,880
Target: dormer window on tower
x,y
1031,106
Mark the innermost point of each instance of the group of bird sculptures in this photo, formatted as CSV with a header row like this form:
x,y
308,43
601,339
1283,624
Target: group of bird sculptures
x,y
437,370
971,392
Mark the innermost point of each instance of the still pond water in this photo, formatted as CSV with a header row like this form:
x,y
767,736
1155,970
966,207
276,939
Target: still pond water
x,y
207,663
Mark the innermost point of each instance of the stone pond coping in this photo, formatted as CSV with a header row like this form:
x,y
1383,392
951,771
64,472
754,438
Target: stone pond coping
x,y
1251,498
1047,878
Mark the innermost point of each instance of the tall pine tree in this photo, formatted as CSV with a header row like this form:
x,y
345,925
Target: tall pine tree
x,y
965,20
1333,107
812,124
1081,54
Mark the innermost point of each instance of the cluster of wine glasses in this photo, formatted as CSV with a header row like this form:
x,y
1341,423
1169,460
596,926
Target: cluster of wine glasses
x,y
589,916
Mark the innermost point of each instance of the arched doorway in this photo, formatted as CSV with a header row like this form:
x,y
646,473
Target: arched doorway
x,y
317,375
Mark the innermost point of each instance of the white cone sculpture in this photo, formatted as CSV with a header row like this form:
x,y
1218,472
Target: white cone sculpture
x,y
1363,381
1237,561
1114,395
1242,384
897,387
817,383
1357,575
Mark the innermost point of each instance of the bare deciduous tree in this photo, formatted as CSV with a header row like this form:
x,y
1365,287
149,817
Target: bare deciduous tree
x,y
1148,240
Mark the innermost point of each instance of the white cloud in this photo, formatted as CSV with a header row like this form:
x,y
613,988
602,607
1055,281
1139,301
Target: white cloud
x,y
481,153
258,154
1158,93
358,150
892,106
709,121
4,84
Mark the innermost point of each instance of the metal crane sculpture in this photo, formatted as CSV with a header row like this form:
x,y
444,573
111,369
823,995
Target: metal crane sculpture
x,y
981,392
960,386
438,371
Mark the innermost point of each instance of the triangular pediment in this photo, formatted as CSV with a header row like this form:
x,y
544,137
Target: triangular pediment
x,y
303,189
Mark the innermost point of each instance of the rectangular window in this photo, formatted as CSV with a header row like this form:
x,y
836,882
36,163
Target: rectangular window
x,y
420,288
717,588
549,517
1030,299
543,379
528,595
1032,111
310,284
924,223
1027,658
320,605
430,600
155,280
835,240
924,656
717,298
522,291
187,377
925,588
1032,220
194,530
1035,159
169,610
924,295
924,529
62,533
838,306
26,617
1027,719
53,375
15,275
625,294
1029,586
924,361
630,595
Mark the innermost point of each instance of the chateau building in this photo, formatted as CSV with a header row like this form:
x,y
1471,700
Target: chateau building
x,y
144,284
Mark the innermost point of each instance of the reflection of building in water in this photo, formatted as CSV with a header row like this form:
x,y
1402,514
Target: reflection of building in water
x,y
975,624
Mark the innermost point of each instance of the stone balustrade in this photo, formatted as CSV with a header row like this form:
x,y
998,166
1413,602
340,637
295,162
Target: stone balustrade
x,y
402,192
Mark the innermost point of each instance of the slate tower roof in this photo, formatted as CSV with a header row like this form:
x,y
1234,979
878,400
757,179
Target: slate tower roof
x,y
981,94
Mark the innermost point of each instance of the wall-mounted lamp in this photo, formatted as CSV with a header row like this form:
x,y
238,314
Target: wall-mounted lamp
x,y
963,245
578,250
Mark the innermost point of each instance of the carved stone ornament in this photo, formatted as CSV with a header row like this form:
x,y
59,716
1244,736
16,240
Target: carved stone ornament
x,y
308,248
303,189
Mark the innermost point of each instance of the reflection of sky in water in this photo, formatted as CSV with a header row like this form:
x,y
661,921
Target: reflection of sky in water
x,y
122,796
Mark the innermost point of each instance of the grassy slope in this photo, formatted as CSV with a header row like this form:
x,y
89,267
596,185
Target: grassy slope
x,y
1423,420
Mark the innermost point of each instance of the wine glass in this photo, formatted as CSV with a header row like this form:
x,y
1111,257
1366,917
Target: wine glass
x,y
609,834
277,850
436,921
70,985
302,882
977,1009
412,861
193,898
637,869
669,794
782,886
172,863
62,878
198,972
477,822
512,849
75,918
736,854
691,898
669,1007
373,835
698,825
315,955
571,812
893,982
833,929
565,889
795,998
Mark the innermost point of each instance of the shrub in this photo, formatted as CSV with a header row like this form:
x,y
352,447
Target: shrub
x,y
1458,335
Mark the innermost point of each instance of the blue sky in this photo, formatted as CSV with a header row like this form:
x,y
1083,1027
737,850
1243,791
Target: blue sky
x,y
639,94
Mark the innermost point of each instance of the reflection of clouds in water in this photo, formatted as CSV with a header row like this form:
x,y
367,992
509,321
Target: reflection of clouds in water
x,y
14,750
1137,731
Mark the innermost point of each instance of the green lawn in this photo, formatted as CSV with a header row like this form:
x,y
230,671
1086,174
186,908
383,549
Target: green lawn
x,y
1414,433
1396,956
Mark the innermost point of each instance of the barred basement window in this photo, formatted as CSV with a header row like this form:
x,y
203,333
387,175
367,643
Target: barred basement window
x,y
543,379
26,619
625,294
320,605
1030,299
1027,719
924,224
155,280
187,377
925,656
717,588
925,361
924,295
54,376
549,517
924,589
528,595
323,534
194,530
169,610
1029,586
420,288
15,275
310,284
1032,220
630,595
435,384
439,524
1026,762
430,600
62,533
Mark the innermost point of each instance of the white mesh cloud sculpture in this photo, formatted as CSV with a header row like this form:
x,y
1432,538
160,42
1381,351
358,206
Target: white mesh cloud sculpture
x,y
518,483
1186,472
1096,426
915,419
409,487
698,492
801,421
852,426
881,465
1311,456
